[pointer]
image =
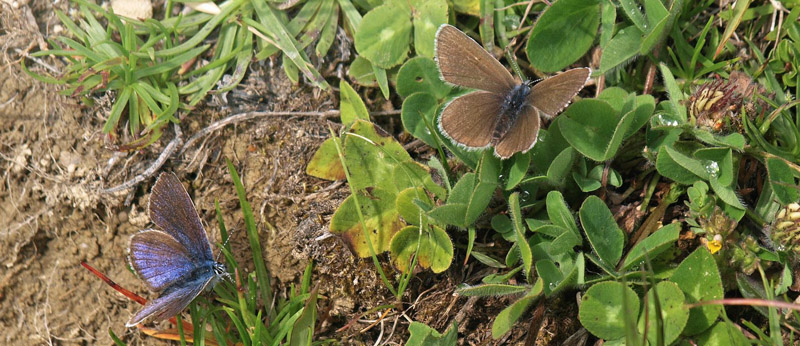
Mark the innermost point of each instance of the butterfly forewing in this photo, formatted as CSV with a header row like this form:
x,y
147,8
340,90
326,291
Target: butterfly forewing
x,y
158,259
551,95
172,210
463,62
470,119
522,136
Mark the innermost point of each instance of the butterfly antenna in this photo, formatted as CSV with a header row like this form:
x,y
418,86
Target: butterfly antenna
x,y
230,235
513,61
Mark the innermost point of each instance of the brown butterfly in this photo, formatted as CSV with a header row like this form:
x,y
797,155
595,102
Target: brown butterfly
x,y
502,113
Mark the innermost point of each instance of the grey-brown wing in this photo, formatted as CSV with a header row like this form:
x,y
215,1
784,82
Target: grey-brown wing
x,y
551,95
522,135
463,62
469,120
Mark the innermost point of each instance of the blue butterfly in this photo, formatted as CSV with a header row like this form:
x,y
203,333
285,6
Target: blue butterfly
x,y
176,261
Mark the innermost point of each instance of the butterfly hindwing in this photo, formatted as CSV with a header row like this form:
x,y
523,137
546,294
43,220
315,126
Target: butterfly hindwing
x,y
172,301
522,136
158,259
470,119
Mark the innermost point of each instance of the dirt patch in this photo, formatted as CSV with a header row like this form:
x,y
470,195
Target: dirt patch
x,y
55,162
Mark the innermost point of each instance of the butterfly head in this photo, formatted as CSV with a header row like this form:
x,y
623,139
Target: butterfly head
x,y
220,272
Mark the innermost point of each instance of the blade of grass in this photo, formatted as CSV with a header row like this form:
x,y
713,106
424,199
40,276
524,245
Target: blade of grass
x,y
116,109
738,12
286,43
255,244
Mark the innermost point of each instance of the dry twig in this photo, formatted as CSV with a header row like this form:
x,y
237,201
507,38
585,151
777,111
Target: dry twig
x,y
166,154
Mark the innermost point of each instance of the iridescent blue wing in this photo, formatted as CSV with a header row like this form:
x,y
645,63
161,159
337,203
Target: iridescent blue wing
x,y
159,259
172,301
172,210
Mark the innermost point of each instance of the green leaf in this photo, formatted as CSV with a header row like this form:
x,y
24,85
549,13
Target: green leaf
x,y
470,196
406,207
351,107
666,299
502,224
659,24
718,162
602,231
328,33
420,74
382,79
450,214
361,72
432,247
679,167
622,48
726,193
117,109
698,277
560,167
550,274
371,156
549,144
380,218
489,171
427,15
738,13
559,214
519,230
722,334
593,128
606,308
421,334
487,183
652,246
384,35
733,140
586,184
419,112
644,106
463,189
608,18
410,173
614,179
479,200
471,7
616,97
325,163
303,328
782,180
632,9
506,318
676,97
350,13
564,243
518,170
486,24
486,290
558,39
487,260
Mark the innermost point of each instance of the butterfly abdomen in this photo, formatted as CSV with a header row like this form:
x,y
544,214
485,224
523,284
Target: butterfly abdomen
x,y
510,110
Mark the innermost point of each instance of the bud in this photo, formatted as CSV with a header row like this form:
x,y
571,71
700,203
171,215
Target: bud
x,y
785,232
